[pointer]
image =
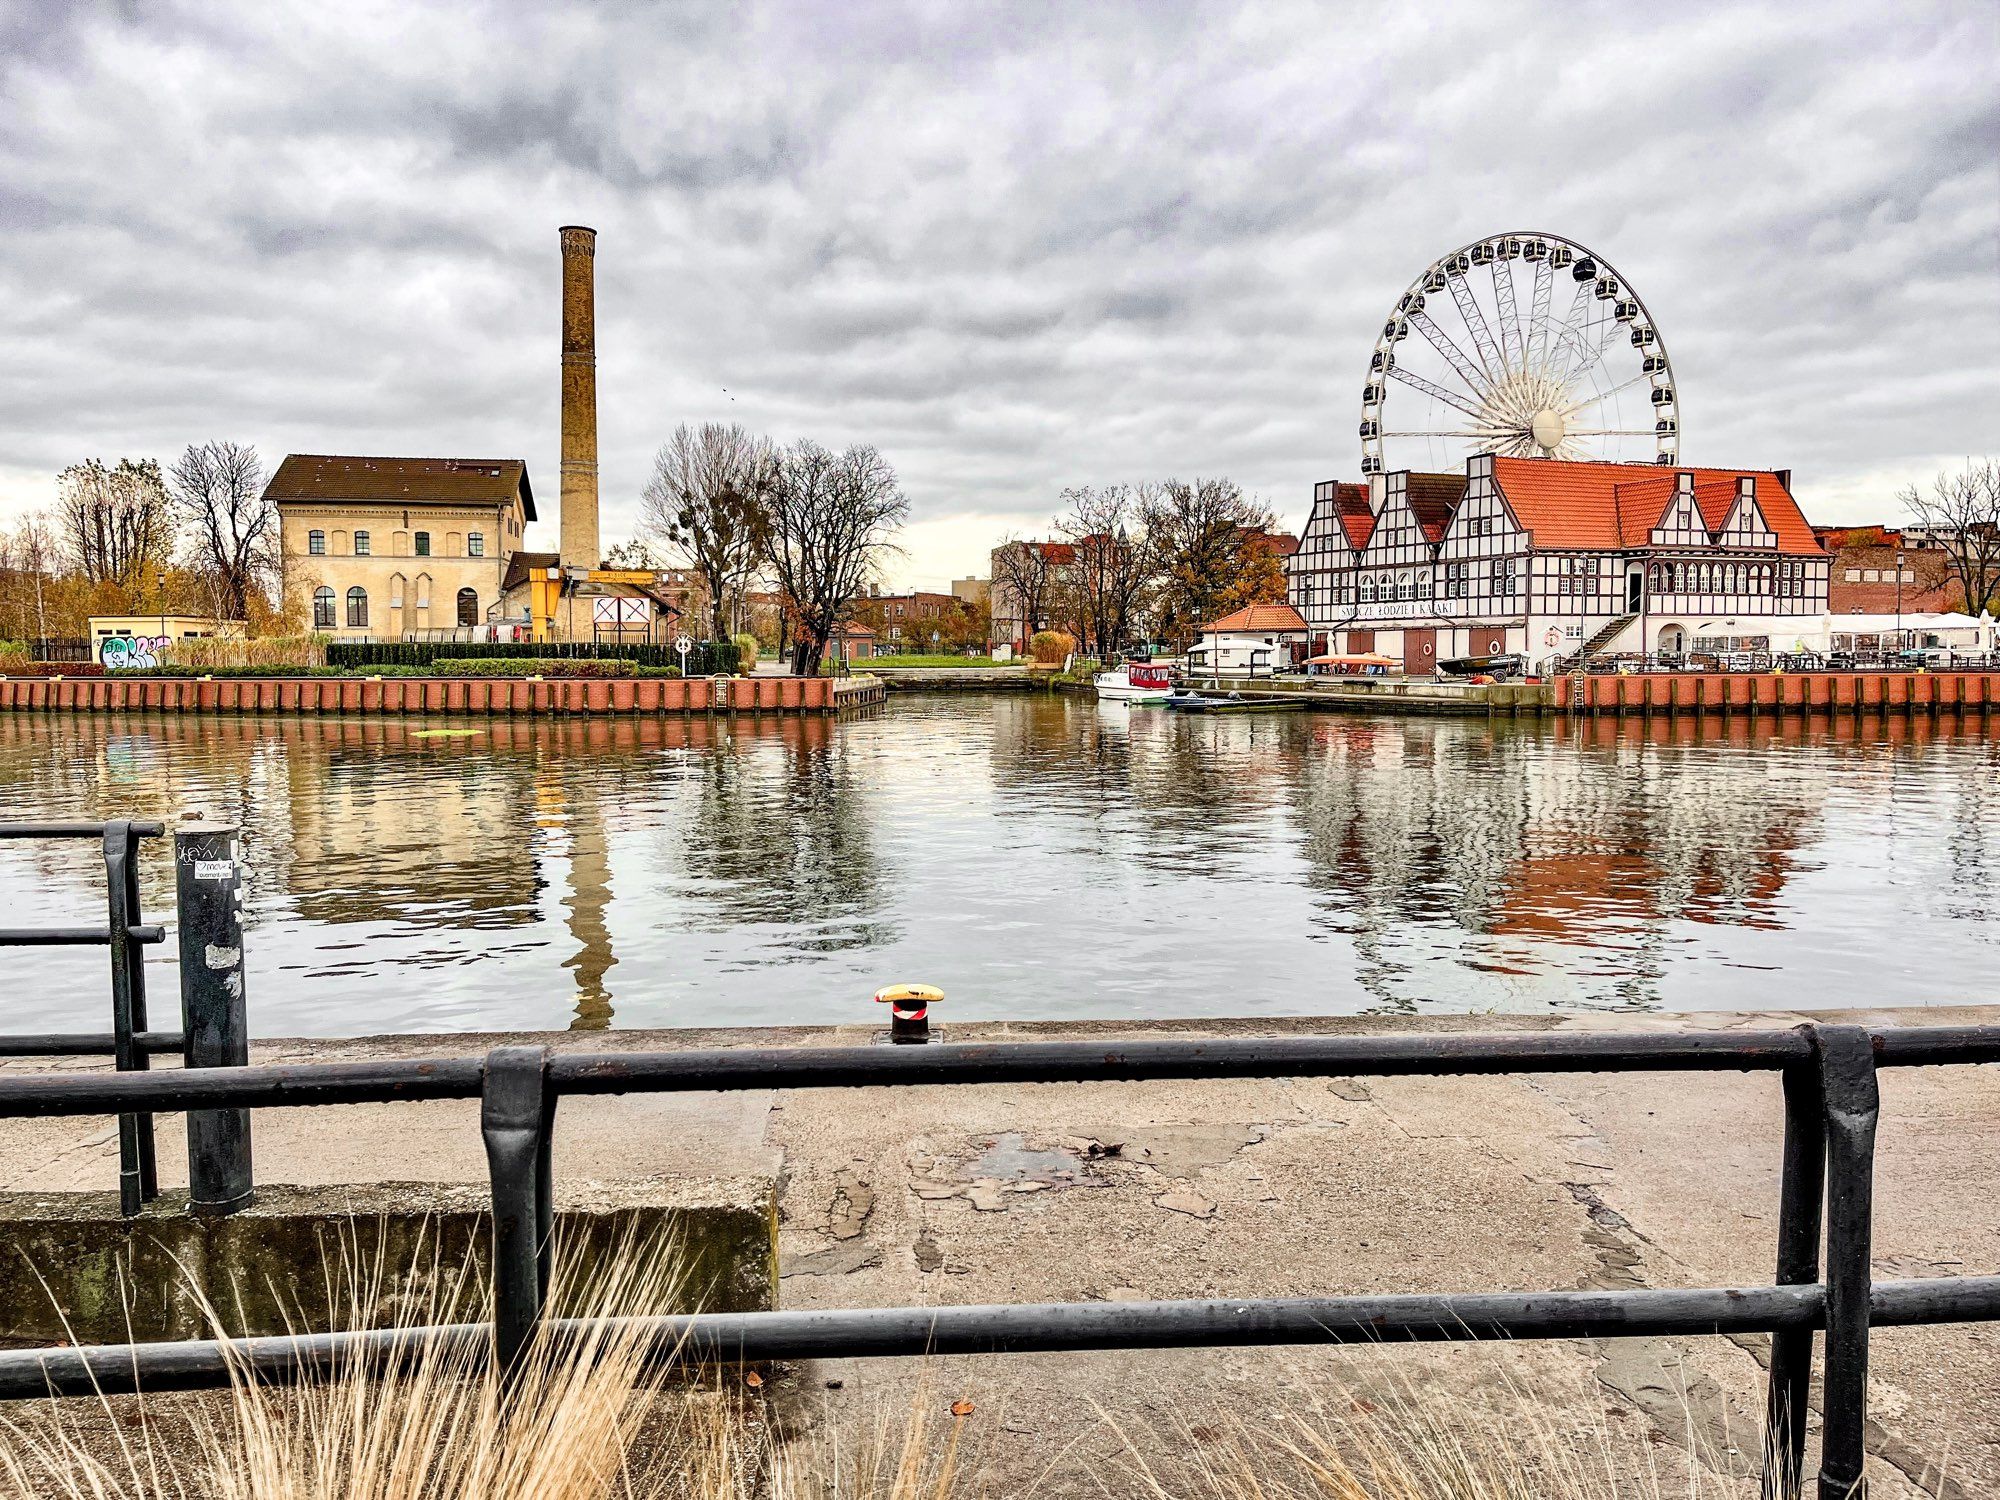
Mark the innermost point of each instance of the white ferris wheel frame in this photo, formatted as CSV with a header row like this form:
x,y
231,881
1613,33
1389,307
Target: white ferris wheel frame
x,y
1515,381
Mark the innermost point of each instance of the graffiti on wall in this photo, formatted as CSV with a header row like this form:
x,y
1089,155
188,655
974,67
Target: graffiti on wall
x,y
129,652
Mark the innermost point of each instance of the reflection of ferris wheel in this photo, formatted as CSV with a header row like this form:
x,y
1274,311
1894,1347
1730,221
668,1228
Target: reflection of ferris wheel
x,y
1524,344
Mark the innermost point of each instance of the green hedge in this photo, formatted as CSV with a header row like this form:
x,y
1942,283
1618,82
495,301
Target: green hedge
x,y
705,659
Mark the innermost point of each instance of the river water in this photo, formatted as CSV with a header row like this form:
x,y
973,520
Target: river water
x,y
1036,857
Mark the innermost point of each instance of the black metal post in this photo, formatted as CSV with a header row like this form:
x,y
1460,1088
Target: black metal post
x,y
138,1177
209,890
1801,1201
516,1113
1852,1105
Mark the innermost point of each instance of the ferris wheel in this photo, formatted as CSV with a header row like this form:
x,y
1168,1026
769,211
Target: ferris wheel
x,y
1524,344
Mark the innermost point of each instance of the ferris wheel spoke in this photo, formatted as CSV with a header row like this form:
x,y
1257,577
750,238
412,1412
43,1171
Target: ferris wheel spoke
x,y
1510,317
1436,392
1475,321
1586,404
1611,331
1569,338
1475,379
1479,433
1571,432
1538,317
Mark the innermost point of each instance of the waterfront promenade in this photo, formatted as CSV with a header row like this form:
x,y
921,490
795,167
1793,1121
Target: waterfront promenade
x,y
1110,1192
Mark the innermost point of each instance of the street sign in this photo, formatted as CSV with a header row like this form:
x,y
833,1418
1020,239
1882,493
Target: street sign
x,y
683,645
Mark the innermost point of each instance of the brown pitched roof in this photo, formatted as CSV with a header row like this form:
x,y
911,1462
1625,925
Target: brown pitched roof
x,y
1432,498
520,564
435,481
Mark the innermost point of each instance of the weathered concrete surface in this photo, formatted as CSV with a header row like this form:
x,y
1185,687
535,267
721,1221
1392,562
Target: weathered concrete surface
x,y
310,1257
942,1196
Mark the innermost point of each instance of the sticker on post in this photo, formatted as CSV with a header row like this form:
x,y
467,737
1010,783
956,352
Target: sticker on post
x,y
214,869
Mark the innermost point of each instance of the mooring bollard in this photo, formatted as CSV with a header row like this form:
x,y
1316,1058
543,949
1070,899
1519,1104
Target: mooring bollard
x,y
208,880
909,1010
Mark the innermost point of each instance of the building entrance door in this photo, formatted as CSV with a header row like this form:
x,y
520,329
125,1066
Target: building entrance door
x,y
1420,651
1635,590
1360,642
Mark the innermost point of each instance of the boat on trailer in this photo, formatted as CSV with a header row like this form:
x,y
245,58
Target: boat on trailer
x,y
1135,682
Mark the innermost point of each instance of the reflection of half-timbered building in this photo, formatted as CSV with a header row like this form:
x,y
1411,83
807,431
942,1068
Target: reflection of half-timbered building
x,y
1536,556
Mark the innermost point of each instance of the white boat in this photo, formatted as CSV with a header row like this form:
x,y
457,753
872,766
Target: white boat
x,y
1135,682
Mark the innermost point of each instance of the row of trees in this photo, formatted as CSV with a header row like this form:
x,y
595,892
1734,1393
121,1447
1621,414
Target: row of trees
x,y
812,525
198,537
1134,561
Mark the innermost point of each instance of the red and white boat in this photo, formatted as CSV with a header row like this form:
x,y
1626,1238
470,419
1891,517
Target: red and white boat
x,y
1135,682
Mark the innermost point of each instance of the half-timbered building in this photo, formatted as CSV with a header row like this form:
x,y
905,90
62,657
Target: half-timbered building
x,y
1539,556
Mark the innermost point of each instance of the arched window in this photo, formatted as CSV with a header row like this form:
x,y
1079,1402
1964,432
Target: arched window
x,y
357,608
316,542
1402,585
1367,588
475,544
468,606
361,547
1423,583
322,606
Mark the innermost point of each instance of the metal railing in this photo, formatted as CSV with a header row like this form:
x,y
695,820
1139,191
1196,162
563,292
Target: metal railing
x,y
1827,1174
128,1041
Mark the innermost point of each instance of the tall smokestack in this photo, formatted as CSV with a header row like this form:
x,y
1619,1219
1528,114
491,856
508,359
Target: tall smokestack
x,y
579,398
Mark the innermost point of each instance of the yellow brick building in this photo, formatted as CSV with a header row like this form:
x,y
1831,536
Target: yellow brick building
x,y
387,548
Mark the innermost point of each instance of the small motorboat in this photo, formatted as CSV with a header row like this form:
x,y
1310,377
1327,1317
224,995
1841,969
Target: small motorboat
x,y
1234,703
1135,682
1498,666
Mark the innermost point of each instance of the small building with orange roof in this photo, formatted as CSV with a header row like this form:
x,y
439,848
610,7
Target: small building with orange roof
x,y
1256,641
1539,557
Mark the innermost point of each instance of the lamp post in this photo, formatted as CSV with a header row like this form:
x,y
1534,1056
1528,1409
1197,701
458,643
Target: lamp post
x,y
1899,599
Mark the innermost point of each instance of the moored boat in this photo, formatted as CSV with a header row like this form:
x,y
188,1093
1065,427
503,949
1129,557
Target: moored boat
x,y
1135,682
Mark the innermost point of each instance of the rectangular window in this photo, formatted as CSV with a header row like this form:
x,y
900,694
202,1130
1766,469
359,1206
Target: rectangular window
x,y
360,544
1503,578
1454,580
475,544
423,544
1854,575
316,543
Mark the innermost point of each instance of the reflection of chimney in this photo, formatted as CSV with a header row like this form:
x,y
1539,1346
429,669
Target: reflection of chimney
x,y
579,398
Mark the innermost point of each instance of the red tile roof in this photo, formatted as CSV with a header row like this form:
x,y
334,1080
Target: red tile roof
x,y
1350,504
1260,617
1596,505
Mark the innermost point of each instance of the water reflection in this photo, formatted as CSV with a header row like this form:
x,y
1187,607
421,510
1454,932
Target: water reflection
x,y
1035,857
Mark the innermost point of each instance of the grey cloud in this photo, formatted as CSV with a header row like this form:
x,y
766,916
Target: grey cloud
x,y
1016,246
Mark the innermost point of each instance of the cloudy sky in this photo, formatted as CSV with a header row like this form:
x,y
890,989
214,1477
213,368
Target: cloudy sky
x,y
1014,246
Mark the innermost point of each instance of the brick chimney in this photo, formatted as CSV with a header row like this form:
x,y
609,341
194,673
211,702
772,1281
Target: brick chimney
x,y
578,497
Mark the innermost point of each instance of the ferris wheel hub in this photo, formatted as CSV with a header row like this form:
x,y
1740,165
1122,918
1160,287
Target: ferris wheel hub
x,y
1547,429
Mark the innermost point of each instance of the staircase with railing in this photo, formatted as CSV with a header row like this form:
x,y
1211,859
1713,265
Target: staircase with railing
x,y
1577,663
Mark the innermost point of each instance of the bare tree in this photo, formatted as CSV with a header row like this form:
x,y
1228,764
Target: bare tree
x,y
829,522
1202,533
28,560
706,500
116,523
1111,567
218,492
1963,512
1024,584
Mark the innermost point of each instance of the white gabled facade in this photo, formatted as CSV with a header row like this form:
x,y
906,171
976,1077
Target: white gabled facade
x,y
1535,556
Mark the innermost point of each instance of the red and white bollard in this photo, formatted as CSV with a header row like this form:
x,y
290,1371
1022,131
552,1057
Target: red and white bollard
x,y
909,1010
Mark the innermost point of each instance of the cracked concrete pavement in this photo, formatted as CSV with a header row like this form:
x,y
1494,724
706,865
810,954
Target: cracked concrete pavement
x,y
1287,1187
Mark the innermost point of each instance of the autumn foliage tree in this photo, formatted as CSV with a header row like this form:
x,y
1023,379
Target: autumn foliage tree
x,y
1211,545
1963,511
